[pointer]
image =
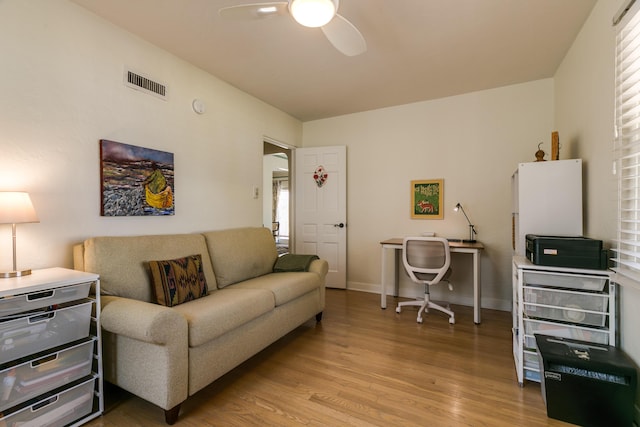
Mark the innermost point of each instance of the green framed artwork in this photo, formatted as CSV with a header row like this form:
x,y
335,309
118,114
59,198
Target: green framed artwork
x,y
427,199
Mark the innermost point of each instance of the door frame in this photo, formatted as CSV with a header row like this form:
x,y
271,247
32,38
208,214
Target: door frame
x,y
290,149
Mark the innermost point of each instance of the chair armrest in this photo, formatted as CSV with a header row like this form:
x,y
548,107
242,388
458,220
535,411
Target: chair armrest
x,y
142,321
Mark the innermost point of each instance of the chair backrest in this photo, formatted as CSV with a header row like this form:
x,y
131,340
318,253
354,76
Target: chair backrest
x,y
426,259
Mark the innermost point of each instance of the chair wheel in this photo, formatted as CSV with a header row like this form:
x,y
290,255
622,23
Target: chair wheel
x,y
452,320
398,309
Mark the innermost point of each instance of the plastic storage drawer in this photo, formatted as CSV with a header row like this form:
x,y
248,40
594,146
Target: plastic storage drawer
x,y
55,410
531,360
558,280
34,300
39,375
532,375
532,326
37,331
589,309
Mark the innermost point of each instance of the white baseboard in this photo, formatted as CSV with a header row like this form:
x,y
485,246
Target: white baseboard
x,y
363,287
490,303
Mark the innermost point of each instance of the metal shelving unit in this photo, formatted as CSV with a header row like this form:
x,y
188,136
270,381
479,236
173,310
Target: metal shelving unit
x,y
51,358
565,302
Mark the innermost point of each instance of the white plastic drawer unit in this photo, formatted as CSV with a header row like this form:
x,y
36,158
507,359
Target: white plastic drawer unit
x,y
532,326
560,280
26,302
531,360
566,305
35,331
54,409
44,372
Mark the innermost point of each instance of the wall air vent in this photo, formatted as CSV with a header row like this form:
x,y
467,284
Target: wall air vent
x,y
140,82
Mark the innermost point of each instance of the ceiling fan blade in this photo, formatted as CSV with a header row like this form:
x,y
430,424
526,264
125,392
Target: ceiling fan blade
x,y
255,10
344,36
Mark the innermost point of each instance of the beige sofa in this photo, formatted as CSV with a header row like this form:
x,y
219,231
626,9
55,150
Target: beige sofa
x,y
165,354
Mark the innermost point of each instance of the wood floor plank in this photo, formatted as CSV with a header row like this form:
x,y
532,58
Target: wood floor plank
x,y
363,366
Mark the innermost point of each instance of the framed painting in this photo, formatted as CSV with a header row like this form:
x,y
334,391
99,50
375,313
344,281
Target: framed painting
x,y
427,199
135,181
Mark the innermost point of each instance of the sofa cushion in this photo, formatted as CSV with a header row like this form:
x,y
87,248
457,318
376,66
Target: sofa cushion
x,y
178,280
122,261
241,253
284,286
223,311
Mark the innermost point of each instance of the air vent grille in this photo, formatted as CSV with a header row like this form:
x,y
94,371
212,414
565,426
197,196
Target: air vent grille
x,y
139,82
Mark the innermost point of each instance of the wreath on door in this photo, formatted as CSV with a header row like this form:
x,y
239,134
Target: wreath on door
x,y
320,176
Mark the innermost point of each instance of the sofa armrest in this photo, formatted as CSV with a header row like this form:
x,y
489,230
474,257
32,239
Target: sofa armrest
x,y
143,321
320,267
78,257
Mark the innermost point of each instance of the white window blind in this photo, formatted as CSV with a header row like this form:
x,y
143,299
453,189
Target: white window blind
x,y
627,145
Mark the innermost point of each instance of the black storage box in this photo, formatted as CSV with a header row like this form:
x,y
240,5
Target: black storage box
x,y
585,383
573,252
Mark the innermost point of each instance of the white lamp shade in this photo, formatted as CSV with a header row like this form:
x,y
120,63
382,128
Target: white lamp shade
x,y
313,13
16,208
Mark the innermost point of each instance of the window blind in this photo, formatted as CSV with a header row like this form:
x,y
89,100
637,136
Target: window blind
x,y
627,145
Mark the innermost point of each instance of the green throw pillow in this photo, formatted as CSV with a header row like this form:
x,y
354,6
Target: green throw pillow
x,y
178,280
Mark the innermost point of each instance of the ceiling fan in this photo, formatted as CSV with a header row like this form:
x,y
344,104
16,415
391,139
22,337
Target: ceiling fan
x,y
341,33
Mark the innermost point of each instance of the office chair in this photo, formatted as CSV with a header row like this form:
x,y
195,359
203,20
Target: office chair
x,y
427,261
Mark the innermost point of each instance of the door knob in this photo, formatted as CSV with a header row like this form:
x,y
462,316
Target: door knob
x,y
341,225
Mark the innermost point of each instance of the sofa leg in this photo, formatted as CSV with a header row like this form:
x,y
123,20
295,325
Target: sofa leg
x,y
319,317
171,415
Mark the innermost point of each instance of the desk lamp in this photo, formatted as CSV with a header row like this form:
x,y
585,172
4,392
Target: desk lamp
x,y
472,229
16,208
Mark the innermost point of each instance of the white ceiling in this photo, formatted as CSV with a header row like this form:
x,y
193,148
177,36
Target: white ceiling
x,y
417,49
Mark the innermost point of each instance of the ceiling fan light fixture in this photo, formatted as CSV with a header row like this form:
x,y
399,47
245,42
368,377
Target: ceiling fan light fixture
x,y
266,10
312,13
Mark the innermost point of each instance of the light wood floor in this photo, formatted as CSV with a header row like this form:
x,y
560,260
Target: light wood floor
x,y
363,366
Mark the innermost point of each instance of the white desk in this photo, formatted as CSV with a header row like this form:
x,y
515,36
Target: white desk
x,y
456,247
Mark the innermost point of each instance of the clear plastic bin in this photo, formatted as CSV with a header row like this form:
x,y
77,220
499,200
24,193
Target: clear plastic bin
x,y
532,326
40,330
531,360
559,280
532,375
44,373
568,306
55,410
34,300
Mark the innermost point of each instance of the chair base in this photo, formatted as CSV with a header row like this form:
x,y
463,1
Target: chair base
x,y
425,305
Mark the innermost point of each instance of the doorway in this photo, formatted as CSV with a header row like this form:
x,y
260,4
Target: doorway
x,y
276,210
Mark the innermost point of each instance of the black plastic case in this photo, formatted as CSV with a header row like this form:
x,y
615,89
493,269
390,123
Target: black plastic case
x,y
573,252
585,383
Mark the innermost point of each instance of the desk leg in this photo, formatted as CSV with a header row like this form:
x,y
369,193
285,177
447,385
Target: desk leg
x,y
396,268
383,279
477,290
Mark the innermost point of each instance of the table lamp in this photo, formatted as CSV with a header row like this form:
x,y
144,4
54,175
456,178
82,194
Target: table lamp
x,y
472,229
16,208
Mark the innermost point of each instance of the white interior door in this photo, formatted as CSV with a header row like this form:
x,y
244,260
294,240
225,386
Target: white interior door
x,y
321,208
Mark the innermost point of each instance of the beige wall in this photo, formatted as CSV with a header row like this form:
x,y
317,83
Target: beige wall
x,y
473,141
584,103
62,91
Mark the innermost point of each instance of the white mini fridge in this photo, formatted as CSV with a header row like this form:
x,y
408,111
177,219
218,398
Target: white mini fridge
x,y
547,200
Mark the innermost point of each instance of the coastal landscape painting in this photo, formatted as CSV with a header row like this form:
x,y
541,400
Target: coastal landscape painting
x,y
136,181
